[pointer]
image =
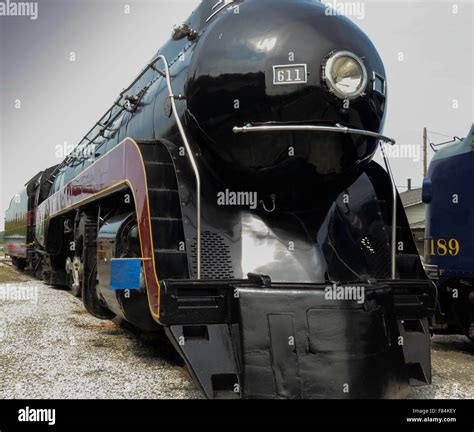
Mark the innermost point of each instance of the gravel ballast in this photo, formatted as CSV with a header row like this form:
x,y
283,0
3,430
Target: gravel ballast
x,y
51,348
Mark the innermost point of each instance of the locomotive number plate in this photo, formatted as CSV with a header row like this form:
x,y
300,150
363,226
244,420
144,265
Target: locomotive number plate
x,y
290,74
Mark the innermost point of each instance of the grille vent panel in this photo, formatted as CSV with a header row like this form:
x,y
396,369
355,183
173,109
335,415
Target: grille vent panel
x,y
216,262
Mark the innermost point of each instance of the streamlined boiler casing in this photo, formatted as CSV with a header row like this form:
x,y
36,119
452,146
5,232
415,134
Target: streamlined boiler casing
x,y
233,81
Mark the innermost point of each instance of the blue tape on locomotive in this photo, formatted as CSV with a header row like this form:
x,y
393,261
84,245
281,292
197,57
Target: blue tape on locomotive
x,y
125,274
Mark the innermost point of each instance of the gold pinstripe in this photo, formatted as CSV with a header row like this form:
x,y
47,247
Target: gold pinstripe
x,y
116,186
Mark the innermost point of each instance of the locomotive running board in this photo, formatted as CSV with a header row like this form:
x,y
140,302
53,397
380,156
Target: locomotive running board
x,y
258,339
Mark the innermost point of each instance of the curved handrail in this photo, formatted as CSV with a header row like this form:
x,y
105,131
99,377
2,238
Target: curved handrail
x,y
310,128
197,176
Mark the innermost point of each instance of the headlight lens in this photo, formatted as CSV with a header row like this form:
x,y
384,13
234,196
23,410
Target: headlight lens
x,y
345,75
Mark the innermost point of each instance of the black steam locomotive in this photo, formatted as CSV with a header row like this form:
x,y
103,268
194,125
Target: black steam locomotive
x,y
229,197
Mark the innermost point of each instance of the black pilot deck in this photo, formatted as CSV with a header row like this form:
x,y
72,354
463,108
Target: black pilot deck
x,y
256,339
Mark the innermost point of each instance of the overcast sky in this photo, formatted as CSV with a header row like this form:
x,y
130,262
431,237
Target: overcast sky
x,y
427,48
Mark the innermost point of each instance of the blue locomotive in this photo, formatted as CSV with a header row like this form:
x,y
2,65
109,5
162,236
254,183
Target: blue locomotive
x,y
449,245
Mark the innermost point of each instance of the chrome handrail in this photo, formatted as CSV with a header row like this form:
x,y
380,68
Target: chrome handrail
x,y
269,127
197,176
297,128
394,213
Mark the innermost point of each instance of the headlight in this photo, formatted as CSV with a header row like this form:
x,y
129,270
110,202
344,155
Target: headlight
x,y
345,75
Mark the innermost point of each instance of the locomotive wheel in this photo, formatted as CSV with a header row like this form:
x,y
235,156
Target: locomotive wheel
x,y
75,276
90,297
75,270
